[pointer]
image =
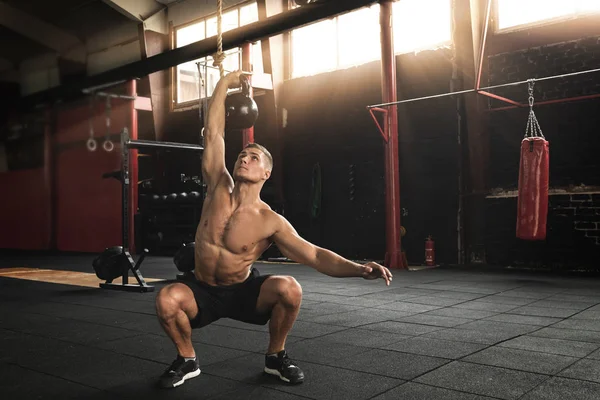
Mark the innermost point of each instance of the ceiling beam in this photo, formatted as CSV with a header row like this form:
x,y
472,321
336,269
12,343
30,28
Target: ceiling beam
x,y
268,27
136,10
39,31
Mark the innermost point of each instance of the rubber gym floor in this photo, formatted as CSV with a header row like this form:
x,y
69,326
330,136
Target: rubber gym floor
x,y
442,333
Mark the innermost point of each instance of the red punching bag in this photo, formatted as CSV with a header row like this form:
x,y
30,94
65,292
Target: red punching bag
x,y
532,202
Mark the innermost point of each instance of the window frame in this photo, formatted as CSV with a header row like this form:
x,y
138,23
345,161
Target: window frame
x,y
192,104
495,15
337,46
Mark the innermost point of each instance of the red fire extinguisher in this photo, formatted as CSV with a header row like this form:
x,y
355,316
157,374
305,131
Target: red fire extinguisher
x,y
429,251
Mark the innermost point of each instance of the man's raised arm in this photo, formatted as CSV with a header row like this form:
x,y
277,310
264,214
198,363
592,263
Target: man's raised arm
x,y
213,159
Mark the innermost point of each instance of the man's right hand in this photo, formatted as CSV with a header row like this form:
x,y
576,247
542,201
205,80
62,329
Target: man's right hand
x,y
233,79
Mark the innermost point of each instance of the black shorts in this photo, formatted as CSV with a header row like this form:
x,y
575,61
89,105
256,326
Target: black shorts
x,y
237,301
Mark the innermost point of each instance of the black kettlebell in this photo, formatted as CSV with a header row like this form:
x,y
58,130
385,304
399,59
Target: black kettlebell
x,y
241,109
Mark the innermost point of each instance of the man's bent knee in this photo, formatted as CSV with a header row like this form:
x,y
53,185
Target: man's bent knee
x,y
289,291
172,299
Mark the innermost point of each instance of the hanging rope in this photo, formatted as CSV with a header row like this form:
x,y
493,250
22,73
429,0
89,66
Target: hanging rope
x,y
219,56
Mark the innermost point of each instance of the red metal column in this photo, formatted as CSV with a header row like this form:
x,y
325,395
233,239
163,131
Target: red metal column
x,y
247,134
393,254
133,164
49,173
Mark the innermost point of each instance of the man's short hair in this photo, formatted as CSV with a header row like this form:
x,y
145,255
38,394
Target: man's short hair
x,y
265,152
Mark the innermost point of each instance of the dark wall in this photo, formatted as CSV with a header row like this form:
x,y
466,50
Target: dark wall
x,y
328,124
572,130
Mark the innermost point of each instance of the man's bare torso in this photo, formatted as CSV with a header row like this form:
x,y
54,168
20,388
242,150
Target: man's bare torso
x,y
229,238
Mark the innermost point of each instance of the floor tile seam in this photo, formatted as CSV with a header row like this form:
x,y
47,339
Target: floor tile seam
x,y
404,382
96,347
83,344
579,329
548,378
471,321
566,340
340,312
291,332
430,356
505,322
517,369
441,340
455,390
517,297
524,323
585,309
286,392
483,344
543,352
57,377
84,321
577,310
93,307
531,315
443,306
489,301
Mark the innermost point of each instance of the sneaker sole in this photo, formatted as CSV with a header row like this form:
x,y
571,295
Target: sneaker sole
x,y
187,376
275,372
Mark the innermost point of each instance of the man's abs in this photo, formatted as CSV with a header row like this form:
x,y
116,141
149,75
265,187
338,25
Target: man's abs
x,y
218,267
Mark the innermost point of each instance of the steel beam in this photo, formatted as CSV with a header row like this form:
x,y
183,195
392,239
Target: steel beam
x,y
136,10
271,26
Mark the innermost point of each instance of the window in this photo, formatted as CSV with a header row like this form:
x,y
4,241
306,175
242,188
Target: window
x,y
518,13
422,24
187,77
353,38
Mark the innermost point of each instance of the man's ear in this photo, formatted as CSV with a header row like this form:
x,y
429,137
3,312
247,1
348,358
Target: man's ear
x,y
267,174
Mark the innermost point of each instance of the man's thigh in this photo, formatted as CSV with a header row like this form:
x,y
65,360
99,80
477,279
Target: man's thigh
x,y
254,302
205,305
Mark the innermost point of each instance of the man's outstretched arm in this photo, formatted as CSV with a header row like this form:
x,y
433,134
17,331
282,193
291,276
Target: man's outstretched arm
x,y
213,158
325,261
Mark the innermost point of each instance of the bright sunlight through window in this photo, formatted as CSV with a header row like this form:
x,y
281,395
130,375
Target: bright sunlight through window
x,y
353,39
513,13
421,24
187,74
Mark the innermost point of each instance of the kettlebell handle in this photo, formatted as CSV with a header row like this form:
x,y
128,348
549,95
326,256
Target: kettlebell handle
x,y
245,82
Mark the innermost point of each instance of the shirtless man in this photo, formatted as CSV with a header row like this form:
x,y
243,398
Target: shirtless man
x,y
236,227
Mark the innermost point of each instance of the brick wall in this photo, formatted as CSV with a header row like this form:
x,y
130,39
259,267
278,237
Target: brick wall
x,y
573,233
538,62
583,210
573,239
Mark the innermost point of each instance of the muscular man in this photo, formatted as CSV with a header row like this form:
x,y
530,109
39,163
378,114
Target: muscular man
x,y
236,227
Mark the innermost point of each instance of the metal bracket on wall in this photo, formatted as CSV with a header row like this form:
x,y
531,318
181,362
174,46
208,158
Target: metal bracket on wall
x,y
383,130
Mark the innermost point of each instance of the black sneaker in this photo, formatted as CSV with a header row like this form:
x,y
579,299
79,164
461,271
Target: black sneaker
x,y
179,372
283,367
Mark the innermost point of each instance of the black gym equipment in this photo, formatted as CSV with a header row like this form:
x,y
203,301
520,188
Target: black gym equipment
x,y
117,261
184,260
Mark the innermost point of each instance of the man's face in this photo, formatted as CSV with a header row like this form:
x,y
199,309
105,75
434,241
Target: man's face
x,y
250,166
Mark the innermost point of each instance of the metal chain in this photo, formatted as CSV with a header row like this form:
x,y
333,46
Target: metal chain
x,y
533,127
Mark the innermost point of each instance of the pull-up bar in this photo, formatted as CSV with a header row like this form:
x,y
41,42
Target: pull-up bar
x,y
489,88
140,144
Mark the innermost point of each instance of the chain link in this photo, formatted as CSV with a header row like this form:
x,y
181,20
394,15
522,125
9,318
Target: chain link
x,y
533,127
